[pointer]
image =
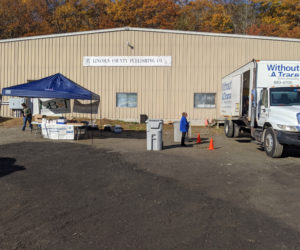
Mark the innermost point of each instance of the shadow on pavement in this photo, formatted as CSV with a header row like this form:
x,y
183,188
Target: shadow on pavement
x,y
203,140
7,166
244,141
289,151
130,134
177,146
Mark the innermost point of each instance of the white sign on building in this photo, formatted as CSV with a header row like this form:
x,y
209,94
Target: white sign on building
x,y
127,61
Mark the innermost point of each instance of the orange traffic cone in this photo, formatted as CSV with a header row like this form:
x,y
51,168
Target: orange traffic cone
x,y
211,144
206,123
198,139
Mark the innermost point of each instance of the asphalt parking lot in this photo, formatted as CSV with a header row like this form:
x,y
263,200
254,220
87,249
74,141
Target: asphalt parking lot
x,y
110,193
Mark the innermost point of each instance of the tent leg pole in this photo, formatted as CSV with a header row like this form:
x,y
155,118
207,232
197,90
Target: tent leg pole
x,y
100,118
92,121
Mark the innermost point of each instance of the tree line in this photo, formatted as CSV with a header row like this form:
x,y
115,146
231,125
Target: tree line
x,y
19,18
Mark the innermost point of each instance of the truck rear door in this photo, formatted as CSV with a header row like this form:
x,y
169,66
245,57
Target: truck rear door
x,y
236,95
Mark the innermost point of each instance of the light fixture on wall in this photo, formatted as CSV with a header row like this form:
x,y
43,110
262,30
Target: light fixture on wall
x,y
129,45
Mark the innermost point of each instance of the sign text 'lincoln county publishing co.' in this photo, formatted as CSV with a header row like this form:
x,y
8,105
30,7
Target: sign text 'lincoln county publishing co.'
x,y
127,61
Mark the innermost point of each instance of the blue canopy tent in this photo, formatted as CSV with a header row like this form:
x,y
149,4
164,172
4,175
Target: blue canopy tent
x,y
55,86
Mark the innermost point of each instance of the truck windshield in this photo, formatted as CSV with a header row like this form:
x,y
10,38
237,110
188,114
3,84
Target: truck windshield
x,y
285,96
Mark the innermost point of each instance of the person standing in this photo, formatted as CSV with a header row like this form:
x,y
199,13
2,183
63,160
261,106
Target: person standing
x,y
27,116
184,127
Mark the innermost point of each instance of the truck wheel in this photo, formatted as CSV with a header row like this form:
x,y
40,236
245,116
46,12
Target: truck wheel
x,y
271,145
228,128
236,130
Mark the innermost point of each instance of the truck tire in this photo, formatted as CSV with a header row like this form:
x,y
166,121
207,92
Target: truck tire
x,y
236,130
228,128
271,145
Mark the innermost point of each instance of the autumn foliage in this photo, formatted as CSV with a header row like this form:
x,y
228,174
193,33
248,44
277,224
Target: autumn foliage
x,y
19,18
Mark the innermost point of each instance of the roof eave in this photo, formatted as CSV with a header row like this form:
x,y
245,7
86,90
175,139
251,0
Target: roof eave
x,y
150,30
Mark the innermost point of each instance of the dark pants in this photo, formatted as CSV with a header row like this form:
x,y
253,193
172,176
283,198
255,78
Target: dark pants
x,y
25,119
183,138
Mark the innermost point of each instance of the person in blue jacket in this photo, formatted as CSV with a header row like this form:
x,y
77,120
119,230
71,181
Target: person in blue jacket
x,y
184,127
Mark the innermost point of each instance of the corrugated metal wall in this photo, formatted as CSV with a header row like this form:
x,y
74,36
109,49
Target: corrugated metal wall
x,y
199,62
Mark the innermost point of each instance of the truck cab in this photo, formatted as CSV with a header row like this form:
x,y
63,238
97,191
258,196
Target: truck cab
x,y
278,114
264,97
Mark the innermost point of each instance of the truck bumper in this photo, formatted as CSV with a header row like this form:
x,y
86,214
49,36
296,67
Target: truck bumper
x,y
288,138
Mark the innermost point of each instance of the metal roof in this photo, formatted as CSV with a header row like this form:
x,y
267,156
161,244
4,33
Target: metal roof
x,y
150,30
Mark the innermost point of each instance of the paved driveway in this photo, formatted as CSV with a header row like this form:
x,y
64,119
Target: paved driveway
x,y
113,194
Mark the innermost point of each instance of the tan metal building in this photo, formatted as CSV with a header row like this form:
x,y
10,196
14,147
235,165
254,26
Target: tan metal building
x,y
190,81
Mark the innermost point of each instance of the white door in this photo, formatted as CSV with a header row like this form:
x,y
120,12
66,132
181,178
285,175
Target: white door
x,y
263,107
236,95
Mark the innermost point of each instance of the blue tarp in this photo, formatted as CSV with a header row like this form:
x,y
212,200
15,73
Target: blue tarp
x,y
55,86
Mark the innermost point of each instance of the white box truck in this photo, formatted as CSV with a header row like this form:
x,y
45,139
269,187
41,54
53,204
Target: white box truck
x,y
264,97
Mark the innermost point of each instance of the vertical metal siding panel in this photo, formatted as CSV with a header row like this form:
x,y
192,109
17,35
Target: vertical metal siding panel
x,y
182,84
148,78
11,72
67,45
199,75
18,62
156,80
106,106
7,62
175,87
96,78
116,77
29,57
136,111
2,64
206,83
42,59
194,74
129,81
281,49
130,78
144,76
55,60
47,57
51,54
90,69
218,73
109,76
212,76
180,73
37,59
186,81
257,49
138,51
160,75
100,81
5,73
156,89
131,112
192,71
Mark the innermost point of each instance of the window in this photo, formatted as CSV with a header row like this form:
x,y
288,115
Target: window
x,y
265,98
206,100
285,96
126,100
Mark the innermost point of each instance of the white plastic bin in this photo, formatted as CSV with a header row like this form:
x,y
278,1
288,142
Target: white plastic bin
x,y
154,134
177,133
